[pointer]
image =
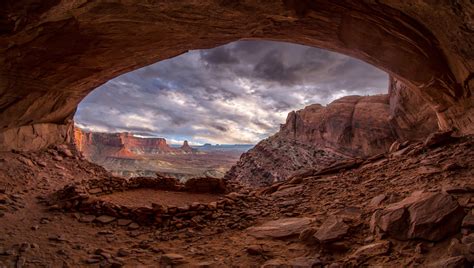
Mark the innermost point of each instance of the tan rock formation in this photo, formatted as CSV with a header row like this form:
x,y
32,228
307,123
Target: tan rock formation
x,y
353,126
54,53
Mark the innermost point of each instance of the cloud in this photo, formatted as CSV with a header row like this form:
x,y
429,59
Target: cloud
x,y
237,93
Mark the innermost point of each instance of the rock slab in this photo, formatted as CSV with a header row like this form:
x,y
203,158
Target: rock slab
x,y
429,216
280,228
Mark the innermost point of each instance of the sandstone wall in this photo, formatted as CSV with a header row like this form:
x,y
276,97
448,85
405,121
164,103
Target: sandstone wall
x,y
53,53
316,137
35,137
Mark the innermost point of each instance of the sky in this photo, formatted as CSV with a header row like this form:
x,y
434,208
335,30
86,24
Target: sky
x,y
238,93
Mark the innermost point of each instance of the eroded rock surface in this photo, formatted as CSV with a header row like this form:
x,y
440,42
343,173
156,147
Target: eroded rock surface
x,y
53,54
429,216
350,127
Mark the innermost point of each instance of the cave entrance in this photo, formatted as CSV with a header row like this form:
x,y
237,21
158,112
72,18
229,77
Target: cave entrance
x,y
90,45
195,114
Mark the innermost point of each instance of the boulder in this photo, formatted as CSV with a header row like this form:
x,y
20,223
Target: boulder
x,y
451,262
280,228
429,216
438,138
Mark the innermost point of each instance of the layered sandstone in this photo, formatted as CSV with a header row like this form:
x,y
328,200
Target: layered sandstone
x,y
317,137
52,54
99,146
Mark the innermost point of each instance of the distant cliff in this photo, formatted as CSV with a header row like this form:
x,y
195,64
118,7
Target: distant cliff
x,y
98,146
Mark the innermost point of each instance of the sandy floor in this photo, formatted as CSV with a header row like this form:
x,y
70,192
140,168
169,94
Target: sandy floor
x,y
145,197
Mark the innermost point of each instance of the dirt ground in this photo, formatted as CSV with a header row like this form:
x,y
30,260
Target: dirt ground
x,y
33,236
145,197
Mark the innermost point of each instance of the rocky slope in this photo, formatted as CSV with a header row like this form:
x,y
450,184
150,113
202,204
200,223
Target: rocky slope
x,y
410,208
351,127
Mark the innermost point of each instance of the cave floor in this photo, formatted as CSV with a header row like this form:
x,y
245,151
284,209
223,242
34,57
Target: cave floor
x,y
33,236
146,197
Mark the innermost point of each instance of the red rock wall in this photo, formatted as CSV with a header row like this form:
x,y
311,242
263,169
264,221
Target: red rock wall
x,y
53,53
97,146
353,126
35,137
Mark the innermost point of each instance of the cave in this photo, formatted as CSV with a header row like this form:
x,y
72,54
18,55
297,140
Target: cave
x,y
410,204
68,54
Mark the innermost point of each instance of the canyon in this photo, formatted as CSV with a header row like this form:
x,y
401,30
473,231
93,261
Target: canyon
x,y
365,181
126,155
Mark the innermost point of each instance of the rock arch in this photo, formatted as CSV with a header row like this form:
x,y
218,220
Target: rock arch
x,y
53,54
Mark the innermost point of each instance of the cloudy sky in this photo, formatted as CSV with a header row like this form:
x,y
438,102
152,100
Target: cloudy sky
x,y
236,93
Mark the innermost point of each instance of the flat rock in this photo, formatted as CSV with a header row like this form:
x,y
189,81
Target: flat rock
x,y
275,263
172,259
452,262
331,230
371,250
288,191
304,262
105,219
429,216
87,218
458,189
123,222
95,191
280,228
376,201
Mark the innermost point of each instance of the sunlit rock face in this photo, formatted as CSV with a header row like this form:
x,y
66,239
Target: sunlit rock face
x,y
350,127
53,54
98,146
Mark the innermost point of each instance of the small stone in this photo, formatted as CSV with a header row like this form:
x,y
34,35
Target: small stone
x,y
302,262
172,259
468,239
95,191
87,218
213,205
133,226
92,260
205,264
468,221
105,219
372,250
57,238
280,228
452,262
123,222
123,252
275,263
255,250
24,247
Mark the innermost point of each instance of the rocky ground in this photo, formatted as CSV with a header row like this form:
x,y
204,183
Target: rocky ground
x,y
411,207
